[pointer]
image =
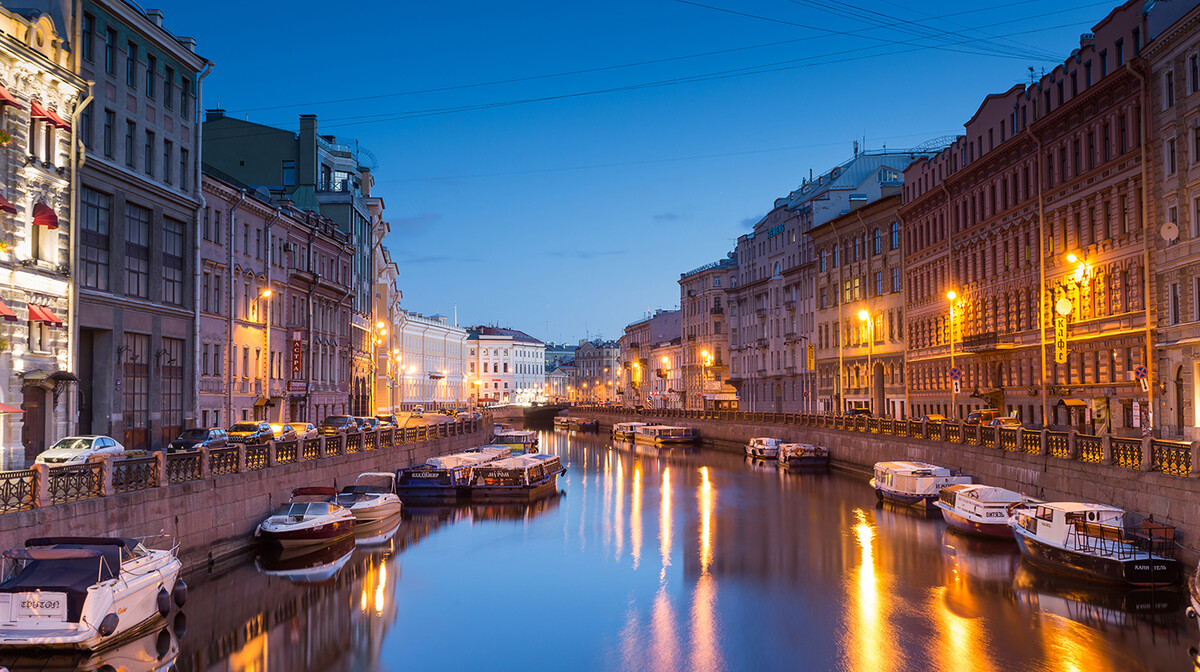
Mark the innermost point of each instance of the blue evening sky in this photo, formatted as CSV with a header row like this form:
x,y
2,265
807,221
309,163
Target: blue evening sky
x,y
554,166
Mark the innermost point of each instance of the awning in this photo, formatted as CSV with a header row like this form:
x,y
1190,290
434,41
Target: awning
x,y
720,396
7,207
43,215
5,408
64,377
38,112
1073,403
41,314
261,401
7,312
6,98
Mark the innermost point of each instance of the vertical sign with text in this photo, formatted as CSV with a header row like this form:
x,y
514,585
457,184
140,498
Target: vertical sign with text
x,y
812,357
1060,339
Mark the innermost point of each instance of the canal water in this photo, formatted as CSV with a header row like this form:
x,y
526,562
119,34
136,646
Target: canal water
x,y
650,560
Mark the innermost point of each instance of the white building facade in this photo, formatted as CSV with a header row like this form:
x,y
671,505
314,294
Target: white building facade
x,y
429,362
506,366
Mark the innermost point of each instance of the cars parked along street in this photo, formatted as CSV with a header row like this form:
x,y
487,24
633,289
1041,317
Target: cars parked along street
x,y
197,438
78,449
337,424
257,431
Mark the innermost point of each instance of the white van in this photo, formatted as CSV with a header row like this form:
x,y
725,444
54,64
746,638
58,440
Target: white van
x,y
418,411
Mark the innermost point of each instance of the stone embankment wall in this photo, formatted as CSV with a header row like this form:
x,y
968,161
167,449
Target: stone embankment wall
x,y
214,517
1171,499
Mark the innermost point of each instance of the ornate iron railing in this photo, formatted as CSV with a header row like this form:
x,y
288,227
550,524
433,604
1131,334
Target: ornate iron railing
x,y
256,457
17,490
223,461
954,432
333,445
1089,448
74,482
1170,457
183,467
135,473
1126,452
1008,438
286,452
1058,445
310,449
1031,441
987,436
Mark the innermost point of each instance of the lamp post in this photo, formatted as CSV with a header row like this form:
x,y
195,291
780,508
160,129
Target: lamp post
x,y
951,295
266,391
864,316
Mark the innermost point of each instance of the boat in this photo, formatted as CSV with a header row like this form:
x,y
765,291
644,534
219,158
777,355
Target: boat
x,y
1090,540
444,478
311,518
516,478
312,565
155,648
665,435
801,456
626,430
84,593
763,447
519,441
979,509
371,498
562,422
913,483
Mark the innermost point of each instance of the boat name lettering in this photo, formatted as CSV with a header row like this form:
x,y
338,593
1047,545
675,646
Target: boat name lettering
x,y
425,474
997,514
1147,568
39,604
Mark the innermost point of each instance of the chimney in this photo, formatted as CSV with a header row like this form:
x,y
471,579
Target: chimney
x,y
189,42
214,114
155,15
306,158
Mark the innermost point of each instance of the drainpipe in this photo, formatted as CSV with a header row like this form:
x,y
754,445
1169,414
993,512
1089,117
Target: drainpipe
x,y
1146,219
77,160
198,186
229,354
1042,307
841,383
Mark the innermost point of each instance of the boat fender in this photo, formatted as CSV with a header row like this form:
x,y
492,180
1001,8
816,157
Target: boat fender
x,y
1191,613
164,601
108,625
1012,507
180,624
179,592
162,643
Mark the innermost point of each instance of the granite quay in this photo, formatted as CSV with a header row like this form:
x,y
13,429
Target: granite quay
x,y
209,501
1149,478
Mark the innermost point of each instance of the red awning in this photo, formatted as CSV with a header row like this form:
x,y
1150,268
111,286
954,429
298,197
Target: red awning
x,y
6,98
41,314
5,408
38,112
44,216
7,312
5,206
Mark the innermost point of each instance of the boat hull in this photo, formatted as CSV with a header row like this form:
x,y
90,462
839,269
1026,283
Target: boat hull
x,y
514,493
805,463
762,453
1143,571
428,494
376,512
956,520
906,498
317,535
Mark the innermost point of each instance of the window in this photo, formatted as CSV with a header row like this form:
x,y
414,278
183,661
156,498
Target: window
x,y
183,169
39,336
205,288
131,58
86,37
878,283
149,156
94,245
877,241
137,251
1173,299
168,151
130,131
109,121
1120,53
168,87
110,51
217,296
895,235
173,261
185,97
895,280
85,127
1170,156
136,370
151,74
289,173
1169,88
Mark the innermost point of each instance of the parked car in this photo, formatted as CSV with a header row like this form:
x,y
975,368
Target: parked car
x,y
386,421
283,432
78,449
933,417
197,438
1004,421
418,411
337,424
304,430
368,424
859,411
982,416
253,431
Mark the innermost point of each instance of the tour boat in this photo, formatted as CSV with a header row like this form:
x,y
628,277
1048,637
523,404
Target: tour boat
x,y
913,483
562,422
1090,540
519,441
444,478
372,497
307,565
763,447
801,456
665,435
311,518
979,509
626,430
516,478
83,592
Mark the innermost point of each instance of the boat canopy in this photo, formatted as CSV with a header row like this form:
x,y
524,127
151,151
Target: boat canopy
x,y
314,491
988,493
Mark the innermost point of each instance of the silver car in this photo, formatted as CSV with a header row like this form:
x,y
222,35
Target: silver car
x,y
77,450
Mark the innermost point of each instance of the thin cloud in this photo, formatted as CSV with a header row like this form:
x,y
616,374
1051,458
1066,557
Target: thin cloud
x,y
585,254
749,222
667,217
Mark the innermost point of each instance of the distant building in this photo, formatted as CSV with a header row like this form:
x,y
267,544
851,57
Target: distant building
x,y
433,369
510,364
704,303
597,370
636,350
557,353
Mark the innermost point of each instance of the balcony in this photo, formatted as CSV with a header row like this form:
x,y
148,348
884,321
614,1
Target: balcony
x,y
790,337
691,338
989,341
761,312
790,304
762,342
717,310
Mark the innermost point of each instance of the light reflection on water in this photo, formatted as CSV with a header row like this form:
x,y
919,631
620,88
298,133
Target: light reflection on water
x,y
756,570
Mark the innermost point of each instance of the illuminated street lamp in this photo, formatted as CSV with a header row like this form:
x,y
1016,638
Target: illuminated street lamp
x,y
951,295
864,316
266,382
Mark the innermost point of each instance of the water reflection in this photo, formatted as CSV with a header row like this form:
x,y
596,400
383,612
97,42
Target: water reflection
x,y
757,569
154,650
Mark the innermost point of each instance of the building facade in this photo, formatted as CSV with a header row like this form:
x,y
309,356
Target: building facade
x,y
40,99
597,370
636,349
433,369
136,255
859,349
508,364
703,302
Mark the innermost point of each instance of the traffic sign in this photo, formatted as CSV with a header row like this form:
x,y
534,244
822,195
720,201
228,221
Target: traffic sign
x,y
1141,372
956,373
957,386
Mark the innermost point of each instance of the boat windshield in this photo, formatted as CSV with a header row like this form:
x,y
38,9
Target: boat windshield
x,y
303,509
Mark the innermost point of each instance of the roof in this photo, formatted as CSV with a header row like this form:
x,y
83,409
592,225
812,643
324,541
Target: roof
x,y
475,332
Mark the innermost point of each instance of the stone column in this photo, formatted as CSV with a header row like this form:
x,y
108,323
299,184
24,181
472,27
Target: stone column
x,y
1105,449
160,467
1147,453
1043,441
205,466
41,485
272,456
1072,449
321,447
106,474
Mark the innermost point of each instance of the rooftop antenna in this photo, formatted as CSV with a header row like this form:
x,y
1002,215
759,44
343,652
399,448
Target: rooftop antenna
x,y
456,314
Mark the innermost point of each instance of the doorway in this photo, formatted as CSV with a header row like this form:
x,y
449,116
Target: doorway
x,y
33,430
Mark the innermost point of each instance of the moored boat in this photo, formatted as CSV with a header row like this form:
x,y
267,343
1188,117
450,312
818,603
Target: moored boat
x,y
307,565
802,456
83,592
444,478
665,435
519,441
763,447
979,509
562,422
311,518
913,483
626,430
372,497
516,478
1090,540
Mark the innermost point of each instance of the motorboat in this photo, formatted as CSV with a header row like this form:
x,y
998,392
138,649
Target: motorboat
x,y
913,483
446,477
516,478
1090,540
310,565
626,430
311,518
665,435
980,509
802,456
519,441
763,447
372,497
84,592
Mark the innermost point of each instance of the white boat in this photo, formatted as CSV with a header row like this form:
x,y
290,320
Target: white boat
x,y
303,522
1090,540
979,509
913,483
626,430
802,456
763,447
519,441
372,497
516,478
83,592
665,435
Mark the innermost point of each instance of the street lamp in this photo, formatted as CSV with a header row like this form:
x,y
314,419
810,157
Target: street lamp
x,y
266,391
951,295
864,316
